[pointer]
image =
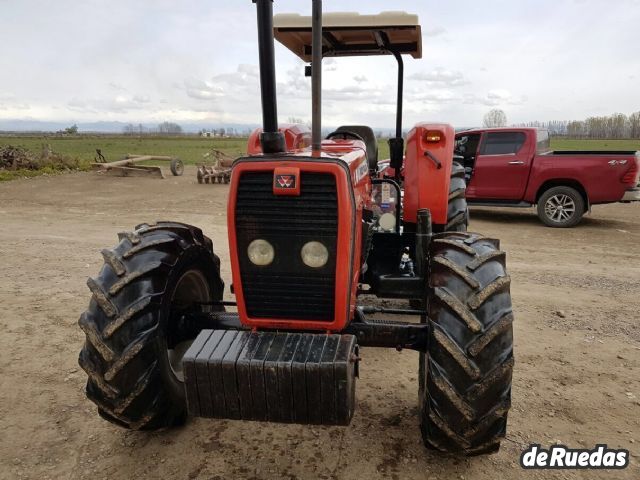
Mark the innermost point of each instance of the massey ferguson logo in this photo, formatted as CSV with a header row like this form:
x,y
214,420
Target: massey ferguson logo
x,y
286,181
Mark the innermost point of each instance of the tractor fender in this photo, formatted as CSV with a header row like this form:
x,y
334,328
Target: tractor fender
x,y
427,170
296,137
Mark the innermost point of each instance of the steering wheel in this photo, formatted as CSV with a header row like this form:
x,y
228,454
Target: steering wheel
x,y
344,135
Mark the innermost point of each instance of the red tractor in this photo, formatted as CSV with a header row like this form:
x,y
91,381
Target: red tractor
x,y
312,230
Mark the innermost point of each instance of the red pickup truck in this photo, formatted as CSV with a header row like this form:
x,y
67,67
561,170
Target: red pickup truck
x,y
515,167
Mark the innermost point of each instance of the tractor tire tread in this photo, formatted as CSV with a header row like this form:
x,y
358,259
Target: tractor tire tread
x,y
457,210
121,324
467,373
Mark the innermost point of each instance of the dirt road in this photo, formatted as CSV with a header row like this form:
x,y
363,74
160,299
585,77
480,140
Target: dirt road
x,y
576,296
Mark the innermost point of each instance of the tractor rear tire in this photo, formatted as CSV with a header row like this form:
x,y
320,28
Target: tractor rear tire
x,y
465,378
457,210
133,348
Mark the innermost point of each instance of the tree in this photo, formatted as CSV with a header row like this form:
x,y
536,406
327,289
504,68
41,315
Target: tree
x,y
634,125
576,129
72,130
495,118
618,123
169,128
129,129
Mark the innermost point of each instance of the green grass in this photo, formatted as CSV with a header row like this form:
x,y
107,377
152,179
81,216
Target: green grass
x,y
191,149
83,147
583,144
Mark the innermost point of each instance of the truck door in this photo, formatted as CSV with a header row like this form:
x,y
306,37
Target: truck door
x,y
502,167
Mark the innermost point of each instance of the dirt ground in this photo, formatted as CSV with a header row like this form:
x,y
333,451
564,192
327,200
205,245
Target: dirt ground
x,y
576,296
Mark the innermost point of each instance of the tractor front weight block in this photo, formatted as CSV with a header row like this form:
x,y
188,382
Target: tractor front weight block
x,y
306,378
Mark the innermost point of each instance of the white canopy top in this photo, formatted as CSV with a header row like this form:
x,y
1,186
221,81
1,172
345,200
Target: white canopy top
x,y
349,34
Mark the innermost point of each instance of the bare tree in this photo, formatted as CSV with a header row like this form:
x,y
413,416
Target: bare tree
x,y
634,125
618,126
129,129
169,128
576,129
615,126
495,118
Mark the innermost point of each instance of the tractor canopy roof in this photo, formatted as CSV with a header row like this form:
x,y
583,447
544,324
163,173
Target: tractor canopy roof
x,y
351,34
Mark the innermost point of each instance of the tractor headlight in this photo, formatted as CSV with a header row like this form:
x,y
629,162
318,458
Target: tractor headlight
x,y
260,252
314,254
387,222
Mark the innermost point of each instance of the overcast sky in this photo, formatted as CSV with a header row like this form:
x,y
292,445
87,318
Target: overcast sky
x,y
196,61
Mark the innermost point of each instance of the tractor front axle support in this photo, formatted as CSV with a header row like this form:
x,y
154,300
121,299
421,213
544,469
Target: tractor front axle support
x,y
368,332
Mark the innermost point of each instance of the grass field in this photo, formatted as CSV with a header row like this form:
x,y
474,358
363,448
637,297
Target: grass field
x,y
83,147
191,149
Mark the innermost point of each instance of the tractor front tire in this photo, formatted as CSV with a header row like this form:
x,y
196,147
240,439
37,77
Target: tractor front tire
x,y
457,214
465,378
134,342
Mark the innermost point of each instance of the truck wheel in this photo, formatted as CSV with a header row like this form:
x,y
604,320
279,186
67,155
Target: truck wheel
x,y
134,343
465,378
177,167
457,211
561,207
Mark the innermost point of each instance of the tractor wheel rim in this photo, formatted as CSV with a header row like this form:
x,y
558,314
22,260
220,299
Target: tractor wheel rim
x,y
192,287
560,207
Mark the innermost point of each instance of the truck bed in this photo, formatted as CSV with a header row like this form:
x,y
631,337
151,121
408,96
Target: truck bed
x,y
591,152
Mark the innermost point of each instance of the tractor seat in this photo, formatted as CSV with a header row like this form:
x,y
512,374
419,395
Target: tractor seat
x,y
366,133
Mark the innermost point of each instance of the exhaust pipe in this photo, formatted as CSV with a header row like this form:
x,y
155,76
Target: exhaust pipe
x,y
316,75
271,139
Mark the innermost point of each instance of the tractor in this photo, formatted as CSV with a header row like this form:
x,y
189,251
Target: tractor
x,y
314,230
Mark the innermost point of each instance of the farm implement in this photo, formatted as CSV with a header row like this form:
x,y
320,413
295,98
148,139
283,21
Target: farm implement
x,y
219,172
129,166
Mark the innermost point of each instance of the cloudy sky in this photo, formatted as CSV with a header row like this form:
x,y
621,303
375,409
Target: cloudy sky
x,y
196,61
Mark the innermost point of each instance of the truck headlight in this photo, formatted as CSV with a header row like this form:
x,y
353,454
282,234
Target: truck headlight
x,y
260,252
314,254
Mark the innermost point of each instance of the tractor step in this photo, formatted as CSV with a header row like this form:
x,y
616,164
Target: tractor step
x,y
304,378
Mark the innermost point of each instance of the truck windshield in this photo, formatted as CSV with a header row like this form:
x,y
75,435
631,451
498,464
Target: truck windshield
x,y
543,143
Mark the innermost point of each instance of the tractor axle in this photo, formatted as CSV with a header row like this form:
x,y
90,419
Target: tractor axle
x,y
382,333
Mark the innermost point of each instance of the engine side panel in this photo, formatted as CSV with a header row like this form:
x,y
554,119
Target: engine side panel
x,y
427,171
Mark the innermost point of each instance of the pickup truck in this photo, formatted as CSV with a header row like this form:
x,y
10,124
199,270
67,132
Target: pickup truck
x,y
515,167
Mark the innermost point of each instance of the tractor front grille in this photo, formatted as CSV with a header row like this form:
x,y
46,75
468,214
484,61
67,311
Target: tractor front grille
x,y
287,289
